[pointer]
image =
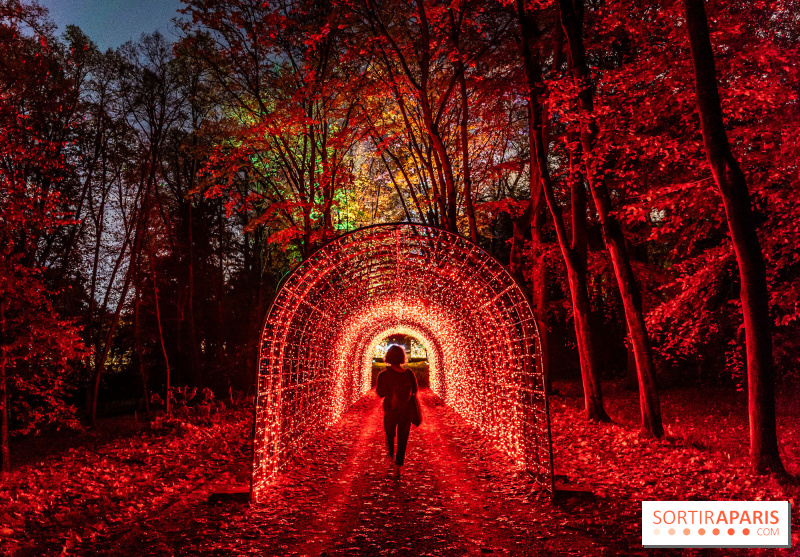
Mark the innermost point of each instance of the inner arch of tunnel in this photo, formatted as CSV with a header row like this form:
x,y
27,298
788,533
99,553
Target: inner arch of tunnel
x,y
361,354
469,313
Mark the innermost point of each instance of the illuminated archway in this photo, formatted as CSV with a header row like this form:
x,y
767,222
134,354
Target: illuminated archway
x,y
467,310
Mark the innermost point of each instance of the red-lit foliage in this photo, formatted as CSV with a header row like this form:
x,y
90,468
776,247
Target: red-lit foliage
x,y
158,194
458,493
36,342
305,119
667,197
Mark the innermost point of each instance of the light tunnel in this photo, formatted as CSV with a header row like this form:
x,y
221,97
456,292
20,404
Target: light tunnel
x,y
330,313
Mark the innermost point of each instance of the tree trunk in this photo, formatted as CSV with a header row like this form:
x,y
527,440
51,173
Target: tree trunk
x,y
631,374
473,226
534,216
649,405
540,275
576,273
571,16
581,313
160,329
396,187
408,181
98,218
426,164
519,225
221,291
326,183
101,361
194,357
445,165
539,291
577,195
138,339
732,184
5,464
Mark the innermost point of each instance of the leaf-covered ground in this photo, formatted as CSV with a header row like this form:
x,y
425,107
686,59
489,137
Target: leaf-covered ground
x,y
147,494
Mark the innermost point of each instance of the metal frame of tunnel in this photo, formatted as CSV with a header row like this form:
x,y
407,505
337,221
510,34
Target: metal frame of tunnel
x,y
474,319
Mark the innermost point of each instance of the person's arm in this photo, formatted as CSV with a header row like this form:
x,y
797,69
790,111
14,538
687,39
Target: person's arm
x,y
415,384
380,388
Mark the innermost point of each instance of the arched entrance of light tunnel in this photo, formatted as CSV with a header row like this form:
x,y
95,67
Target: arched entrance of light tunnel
x,y
469,313
416,352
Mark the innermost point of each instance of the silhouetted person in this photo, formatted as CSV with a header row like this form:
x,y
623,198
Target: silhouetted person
x,y
396,386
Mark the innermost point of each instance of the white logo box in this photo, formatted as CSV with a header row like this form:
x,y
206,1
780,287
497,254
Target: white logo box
x,y
716,524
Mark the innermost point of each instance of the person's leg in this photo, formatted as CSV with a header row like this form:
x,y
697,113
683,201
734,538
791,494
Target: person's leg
x,y
402,440
389,426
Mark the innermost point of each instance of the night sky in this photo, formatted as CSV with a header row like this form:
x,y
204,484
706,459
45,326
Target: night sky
x,y
109,23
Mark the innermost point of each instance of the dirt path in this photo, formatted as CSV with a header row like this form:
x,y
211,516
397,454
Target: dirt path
x,y
455,498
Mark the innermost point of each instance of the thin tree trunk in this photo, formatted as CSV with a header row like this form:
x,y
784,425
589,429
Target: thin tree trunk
x,y
519,224
91,339
571,16
221,292
426,163
649,405
539,291
194,357
631,375
764,455
409,184
138,345
396,187
577,194
580,242
473,226
137,333
312,174
160,330
5,463
101,361
326,182
581,312
576,273
445,166
98,218
540,275
533,216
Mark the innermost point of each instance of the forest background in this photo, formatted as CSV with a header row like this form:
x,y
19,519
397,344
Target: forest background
x,y
153,196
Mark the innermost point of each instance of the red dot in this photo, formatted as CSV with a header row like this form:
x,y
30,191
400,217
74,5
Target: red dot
x,y
716,531
686,531
702,531
746,531
731,531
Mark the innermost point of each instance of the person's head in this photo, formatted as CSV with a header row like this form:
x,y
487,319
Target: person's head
x,y
395,356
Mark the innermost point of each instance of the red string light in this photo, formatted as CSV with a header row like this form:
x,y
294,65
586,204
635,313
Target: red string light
x,y
461,304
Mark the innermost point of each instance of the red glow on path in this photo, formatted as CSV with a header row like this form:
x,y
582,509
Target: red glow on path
x,y
457,496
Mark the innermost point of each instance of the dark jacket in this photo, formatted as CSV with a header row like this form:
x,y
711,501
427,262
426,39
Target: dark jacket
x,y
396,388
